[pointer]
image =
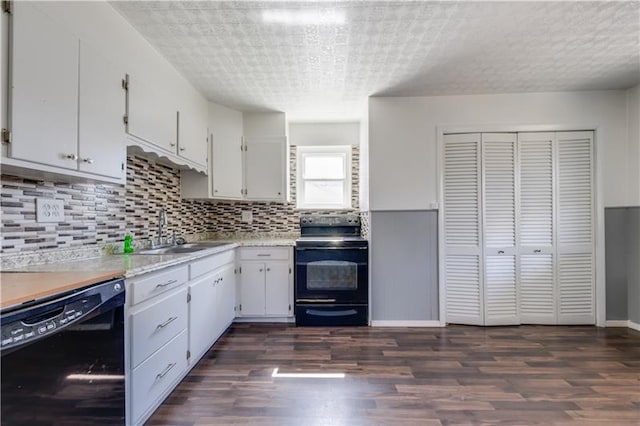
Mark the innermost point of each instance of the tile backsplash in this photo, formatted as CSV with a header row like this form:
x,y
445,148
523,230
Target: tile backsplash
x,y
93,214
97,214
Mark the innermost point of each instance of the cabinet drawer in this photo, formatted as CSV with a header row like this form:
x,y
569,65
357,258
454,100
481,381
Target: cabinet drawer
x,y
150,285
154,326
265,253
210,264
157,374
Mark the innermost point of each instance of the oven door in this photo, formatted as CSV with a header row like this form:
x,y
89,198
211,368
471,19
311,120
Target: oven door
x,y
332,275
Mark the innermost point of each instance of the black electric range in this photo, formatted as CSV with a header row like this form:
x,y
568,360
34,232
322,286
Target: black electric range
x,y
332,276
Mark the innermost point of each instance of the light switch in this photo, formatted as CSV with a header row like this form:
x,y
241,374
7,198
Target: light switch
x,y
48,210
247,216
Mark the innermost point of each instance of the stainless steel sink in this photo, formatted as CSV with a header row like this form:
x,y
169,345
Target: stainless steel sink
x,y
183,248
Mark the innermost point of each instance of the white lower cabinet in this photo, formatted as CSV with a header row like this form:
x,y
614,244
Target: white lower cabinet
x,y
226,300
174,316
202,315
155,325
266,282
158,374
211,309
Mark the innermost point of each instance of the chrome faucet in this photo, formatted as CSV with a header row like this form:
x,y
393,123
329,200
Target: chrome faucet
x,y
162,220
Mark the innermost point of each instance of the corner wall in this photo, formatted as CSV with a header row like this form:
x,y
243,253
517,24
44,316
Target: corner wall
x,y
403,158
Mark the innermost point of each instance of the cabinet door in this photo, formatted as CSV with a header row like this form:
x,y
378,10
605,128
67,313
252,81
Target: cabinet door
x,y
265,169
252,289
226,164
278,289
226,299
192,129
225,132
152,115
102,106
44,104
202,314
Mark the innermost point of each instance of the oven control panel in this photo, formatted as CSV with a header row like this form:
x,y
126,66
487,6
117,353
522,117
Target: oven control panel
x,y
342,220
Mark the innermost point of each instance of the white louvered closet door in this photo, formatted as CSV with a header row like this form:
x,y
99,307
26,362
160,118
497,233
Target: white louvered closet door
x,y
499,225
463,240
536,229
575,275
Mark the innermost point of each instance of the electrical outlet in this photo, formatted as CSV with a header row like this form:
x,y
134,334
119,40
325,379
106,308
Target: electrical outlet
x,y
48,210
247,216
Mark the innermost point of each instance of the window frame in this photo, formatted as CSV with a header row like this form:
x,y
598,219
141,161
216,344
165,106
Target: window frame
x,y
343,150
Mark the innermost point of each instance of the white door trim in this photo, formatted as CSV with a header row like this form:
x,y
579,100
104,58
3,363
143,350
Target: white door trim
x,y
598,147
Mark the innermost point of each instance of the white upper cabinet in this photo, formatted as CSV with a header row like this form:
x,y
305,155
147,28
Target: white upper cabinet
x,y
67,102
44,92
152,116
101,129
248,158
225,129
192,128
265,168
169,116
265,163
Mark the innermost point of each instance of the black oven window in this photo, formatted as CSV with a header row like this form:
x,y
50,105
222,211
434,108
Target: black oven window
x,y
332,275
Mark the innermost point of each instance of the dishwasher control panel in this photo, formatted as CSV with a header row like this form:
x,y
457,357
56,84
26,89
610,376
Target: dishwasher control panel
x,y
30,324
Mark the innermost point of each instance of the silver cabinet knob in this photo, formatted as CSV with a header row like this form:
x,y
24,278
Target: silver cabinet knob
x,y
73,157
172,144
88,160
182,149
268,269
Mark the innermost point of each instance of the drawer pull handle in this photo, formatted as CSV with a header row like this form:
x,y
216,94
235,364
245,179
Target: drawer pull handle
x,y
264,254
167,283
166,370
537,251
166,323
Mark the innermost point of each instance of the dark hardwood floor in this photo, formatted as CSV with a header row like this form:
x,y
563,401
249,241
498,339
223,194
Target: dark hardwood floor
x,y
413,376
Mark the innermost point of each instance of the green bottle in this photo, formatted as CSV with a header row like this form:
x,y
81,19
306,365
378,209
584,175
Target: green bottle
x,y
128,244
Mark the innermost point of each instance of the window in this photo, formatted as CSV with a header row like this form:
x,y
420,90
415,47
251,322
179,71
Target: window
x,y
323,178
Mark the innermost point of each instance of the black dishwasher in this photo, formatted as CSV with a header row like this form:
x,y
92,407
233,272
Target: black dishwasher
x,y
62,359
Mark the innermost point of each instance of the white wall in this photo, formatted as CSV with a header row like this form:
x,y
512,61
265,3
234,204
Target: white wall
x,y
264,124
318,134
633,151
403,138
364,163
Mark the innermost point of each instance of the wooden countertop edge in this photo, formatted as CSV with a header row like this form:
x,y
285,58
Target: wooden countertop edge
x,y
20,287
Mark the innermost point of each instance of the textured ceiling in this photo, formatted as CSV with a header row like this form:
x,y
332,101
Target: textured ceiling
x,y
325,70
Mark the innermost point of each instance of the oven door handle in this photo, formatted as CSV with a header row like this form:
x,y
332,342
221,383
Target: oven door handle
x,y
343,313
331,248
